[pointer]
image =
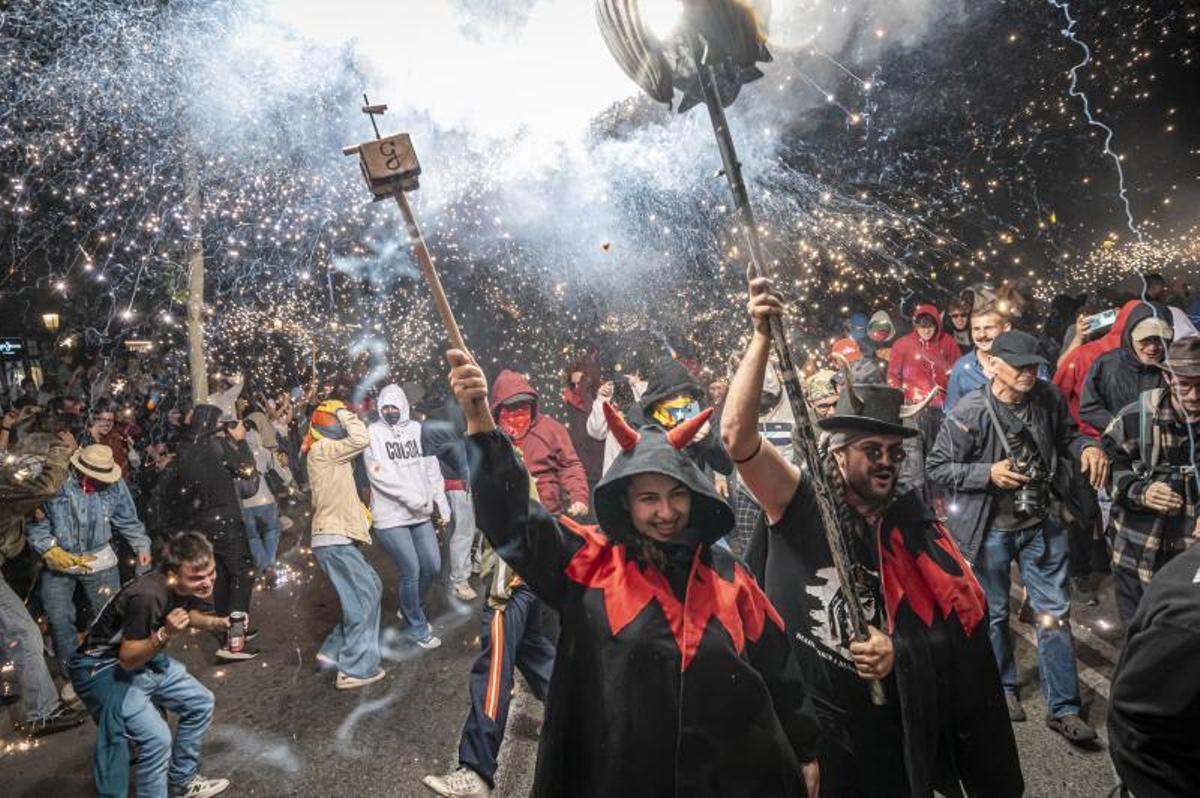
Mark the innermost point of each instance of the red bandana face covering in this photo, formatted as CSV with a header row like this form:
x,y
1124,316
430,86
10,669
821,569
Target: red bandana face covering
x,y
515,421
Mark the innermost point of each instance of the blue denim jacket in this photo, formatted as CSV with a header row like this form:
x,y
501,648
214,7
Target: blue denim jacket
x,y
81,522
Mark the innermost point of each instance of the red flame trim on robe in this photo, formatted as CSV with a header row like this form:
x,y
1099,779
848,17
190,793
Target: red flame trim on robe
x,y
739,605
925,584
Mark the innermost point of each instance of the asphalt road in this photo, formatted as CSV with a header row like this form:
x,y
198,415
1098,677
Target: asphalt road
x,y
281,729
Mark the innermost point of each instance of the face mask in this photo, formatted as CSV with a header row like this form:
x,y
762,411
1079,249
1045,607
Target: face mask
x,y
391,416
671,414
515,421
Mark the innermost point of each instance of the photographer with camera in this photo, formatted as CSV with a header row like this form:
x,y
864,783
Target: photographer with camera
x,y
999,453
1154,476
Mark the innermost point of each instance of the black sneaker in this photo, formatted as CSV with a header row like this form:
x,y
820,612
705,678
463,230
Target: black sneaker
x,y
246,653
60,719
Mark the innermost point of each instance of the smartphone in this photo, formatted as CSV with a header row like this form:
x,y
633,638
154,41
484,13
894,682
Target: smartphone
x,y
1099,321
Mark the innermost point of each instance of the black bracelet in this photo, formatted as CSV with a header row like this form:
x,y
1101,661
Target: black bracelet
x,y
753,454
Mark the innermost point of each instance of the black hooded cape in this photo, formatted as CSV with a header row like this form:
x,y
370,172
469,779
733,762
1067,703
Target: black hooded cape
x,y
672,681
946,721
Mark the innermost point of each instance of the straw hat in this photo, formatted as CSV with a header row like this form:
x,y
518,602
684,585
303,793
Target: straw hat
x,y
96,461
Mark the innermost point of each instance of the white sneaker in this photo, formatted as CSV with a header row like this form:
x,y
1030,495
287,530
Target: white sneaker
x,y
200,787
344,682
430,643
67,694
464,592
462,783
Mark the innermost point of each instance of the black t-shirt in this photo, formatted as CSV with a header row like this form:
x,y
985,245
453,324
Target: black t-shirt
x,y
802,583
1004,516
138,609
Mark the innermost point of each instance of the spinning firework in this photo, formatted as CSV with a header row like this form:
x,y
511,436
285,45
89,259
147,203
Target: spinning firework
x,y
708,53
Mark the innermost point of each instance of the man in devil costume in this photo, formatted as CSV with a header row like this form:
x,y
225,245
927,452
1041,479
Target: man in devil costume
x,y
674,675
944,725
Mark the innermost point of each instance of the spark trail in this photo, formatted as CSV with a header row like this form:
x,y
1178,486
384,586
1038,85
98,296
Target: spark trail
x,y
1069,33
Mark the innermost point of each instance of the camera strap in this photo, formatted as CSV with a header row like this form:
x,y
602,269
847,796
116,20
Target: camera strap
x,y
987,402
989,398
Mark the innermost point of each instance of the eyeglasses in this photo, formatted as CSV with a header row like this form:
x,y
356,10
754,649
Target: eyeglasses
x,y
874,452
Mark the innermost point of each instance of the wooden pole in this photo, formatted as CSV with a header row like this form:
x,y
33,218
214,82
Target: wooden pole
x,y
417,239
195,300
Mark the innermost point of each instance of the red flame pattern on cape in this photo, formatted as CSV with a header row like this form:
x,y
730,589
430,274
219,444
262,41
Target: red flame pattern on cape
x,y
926,585
739,605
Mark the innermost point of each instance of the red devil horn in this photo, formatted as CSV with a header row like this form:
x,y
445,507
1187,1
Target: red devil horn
x,y
682,435
626,435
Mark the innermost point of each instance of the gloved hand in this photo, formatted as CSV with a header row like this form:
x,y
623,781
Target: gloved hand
x,y
62,560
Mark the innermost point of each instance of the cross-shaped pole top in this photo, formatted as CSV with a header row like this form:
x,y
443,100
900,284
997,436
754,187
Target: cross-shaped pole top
x,y
373,111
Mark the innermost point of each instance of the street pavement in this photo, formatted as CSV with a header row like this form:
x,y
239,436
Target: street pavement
x,y
280,728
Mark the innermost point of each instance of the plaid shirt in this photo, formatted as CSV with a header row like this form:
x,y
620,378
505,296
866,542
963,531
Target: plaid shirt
x,y
1142,540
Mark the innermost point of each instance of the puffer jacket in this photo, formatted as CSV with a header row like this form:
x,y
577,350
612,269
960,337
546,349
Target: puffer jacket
x,y
336,508
918,366
1118,378
81,522
406,484
1073,369
549,454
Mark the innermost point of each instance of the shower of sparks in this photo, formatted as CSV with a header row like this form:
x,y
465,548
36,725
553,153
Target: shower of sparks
x,y
600,227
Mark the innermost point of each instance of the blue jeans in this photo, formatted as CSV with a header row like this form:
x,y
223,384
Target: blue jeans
x,y
1041,555
354,643
159,760
262,549
58,591
414,549
21,642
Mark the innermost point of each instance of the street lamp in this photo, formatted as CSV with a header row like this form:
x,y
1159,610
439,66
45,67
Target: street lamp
x,y
708,49
50,322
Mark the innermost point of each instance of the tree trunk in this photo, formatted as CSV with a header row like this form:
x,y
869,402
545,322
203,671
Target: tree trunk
x,y
195,302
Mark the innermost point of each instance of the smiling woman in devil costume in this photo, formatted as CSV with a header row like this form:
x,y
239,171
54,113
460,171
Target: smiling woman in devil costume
x,y
674,675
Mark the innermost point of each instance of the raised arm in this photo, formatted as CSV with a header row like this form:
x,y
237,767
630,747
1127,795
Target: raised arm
x,y
768,475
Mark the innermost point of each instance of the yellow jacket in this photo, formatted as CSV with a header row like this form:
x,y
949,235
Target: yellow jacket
x,y
336,508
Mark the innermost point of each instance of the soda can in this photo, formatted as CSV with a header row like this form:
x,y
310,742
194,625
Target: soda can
x,y
237,631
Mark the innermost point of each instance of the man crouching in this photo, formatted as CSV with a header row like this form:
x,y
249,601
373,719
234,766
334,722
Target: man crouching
x,y
122,675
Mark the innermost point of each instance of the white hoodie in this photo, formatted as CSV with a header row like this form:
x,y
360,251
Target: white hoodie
x,y
405,484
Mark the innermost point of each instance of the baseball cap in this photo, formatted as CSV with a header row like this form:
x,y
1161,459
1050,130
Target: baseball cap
x,y
1017,349
1152,328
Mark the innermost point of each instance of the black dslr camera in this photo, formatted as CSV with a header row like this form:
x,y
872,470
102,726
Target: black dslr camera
x,y
1030,499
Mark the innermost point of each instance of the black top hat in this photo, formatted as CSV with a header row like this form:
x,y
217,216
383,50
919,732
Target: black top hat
x,y
868,408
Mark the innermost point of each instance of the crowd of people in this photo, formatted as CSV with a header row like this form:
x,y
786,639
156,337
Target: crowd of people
x,y
655,564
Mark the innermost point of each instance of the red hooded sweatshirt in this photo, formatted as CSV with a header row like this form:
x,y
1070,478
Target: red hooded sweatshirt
x,y
917,366
1073,369
549,454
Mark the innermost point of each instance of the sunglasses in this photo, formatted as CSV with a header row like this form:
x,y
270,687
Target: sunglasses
x,y
874,452
958,315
